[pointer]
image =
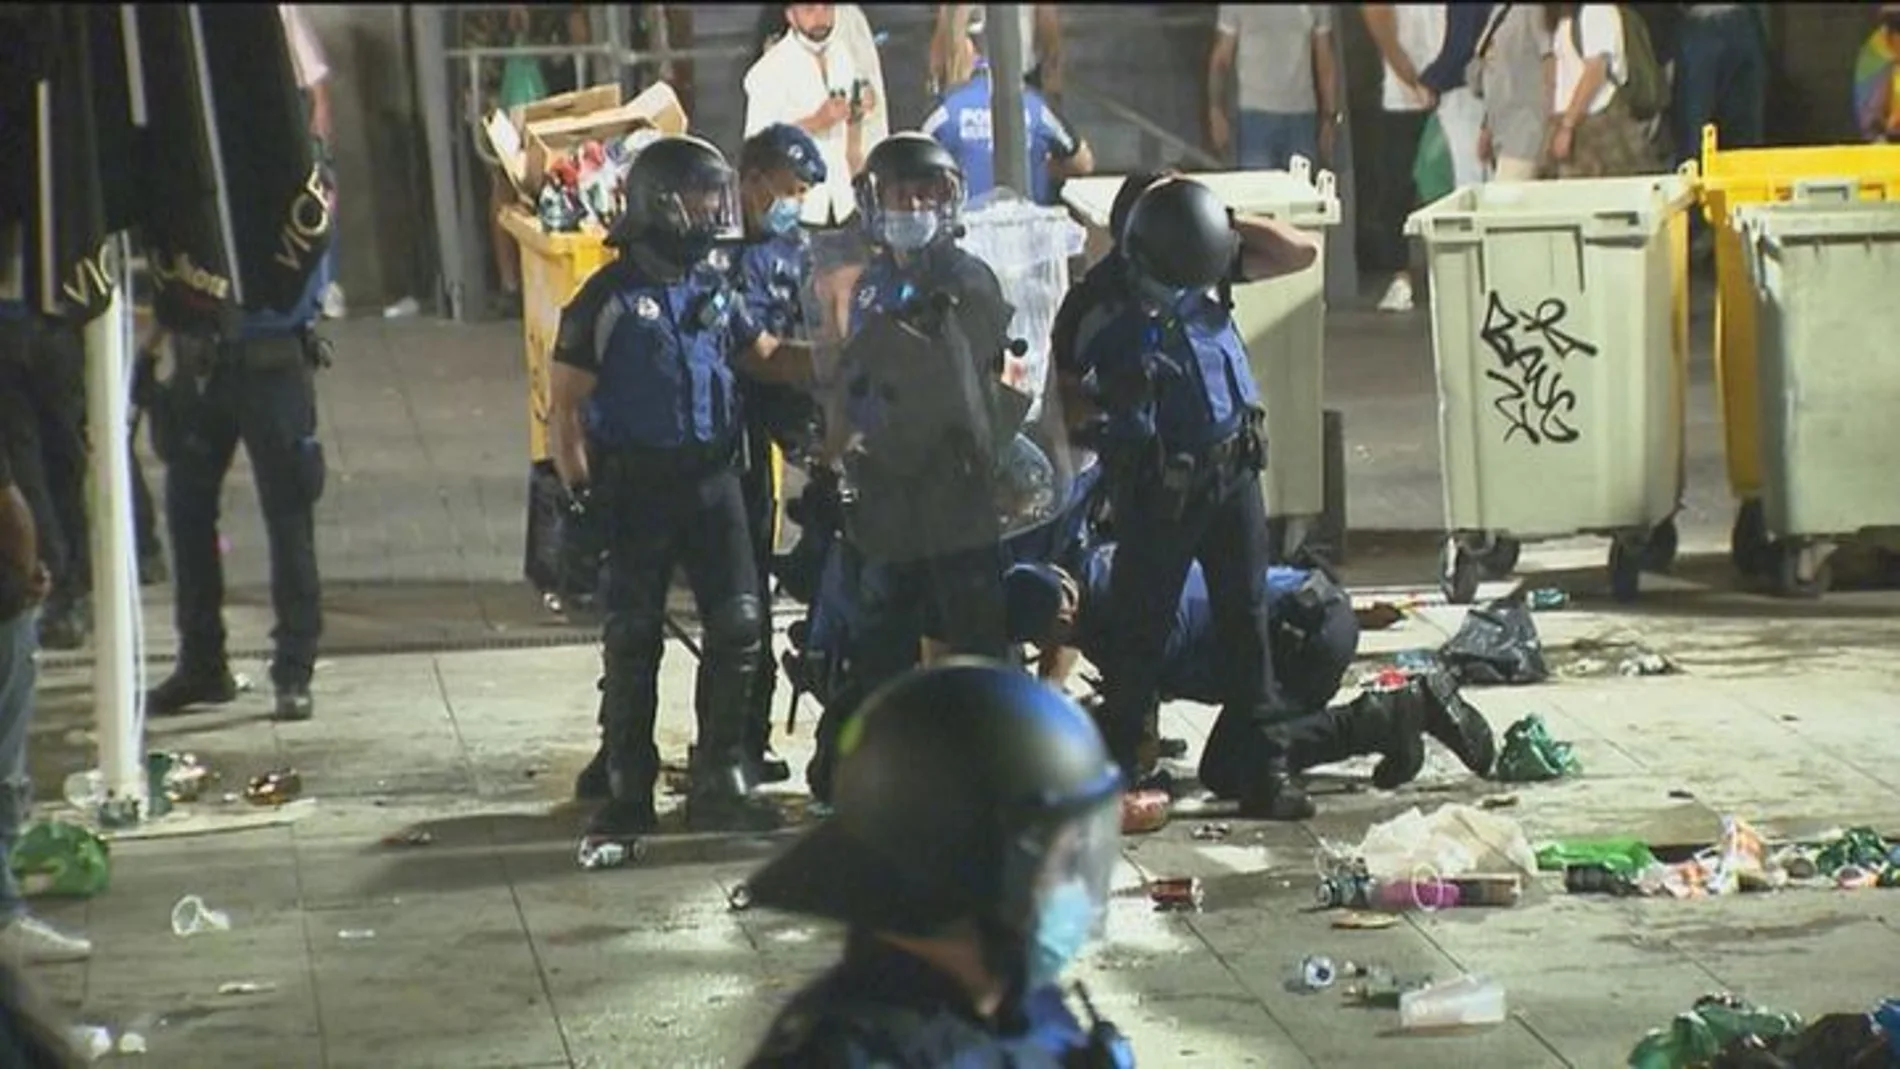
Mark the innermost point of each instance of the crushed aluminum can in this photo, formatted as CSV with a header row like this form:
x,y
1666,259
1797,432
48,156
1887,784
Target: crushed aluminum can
x,y
1212,832
415,837
739,899
276,787
1177,894
186,778
608,853
1145,811
1546,598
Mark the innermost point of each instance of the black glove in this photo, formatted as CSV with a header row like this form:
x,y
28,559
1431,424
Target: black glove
x,y
580,500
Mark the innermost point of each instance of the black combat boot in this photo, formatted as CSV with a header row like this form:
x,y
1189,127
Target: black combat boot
x,y
190,686
1452,721
1390,723
720,797
632,761
1273,795
591,785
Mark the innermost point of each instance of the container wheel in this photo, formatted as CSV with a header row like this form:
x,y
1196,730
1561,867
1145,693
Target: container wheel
x,y
1457,573
1498,561
1659,552
1626,569
1749,549
1787,557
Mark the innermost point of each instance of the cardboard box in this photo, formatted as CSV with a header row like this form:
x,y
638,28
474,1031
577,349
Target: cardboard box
x,y
537,133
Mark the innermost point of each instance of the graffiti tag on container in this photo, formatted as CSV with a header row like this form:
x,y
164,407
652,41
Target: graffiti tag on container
x,y
1531,352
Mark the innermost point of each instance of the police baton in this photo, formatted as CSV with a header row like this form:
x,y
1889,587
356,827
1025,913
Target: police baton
x,y
674,629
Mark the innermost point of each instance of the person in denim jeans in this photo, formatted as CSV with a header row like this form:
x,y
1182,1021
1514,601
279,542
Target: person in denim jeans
x,y
23,585
1288,89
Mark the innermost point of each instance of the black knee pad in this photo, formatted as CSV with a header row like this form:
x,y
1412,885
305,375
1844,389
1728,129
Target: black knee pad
x,y
735,622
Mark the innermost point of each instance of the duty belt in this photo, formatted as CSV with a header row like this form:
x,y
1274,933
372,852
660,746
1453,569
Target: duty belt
x,y
691,457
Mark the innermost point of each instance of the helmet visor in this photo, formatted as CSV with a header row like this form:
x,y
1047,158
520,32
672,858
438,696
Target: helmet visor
x,y
1081,853
707,206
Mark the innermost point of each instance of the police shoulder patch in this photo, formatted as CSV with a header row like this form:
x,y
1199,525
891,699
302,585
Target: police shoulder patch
x,y
867,296
646,307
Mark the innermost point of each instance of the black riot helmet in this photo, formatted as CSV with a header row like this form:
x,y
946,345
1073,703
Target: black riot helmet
x,y
1179,238
911,192
967,790
1132,188
682,198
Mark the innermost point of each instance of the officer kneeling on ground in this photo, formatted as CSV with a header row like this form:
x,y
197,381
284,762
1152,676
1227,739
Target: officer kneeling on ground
x,y
919,418
970,855
1315,637
645,426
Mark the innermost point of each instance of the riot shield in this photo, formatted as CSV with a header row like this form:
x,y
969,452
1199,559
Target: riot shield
x,y
936,450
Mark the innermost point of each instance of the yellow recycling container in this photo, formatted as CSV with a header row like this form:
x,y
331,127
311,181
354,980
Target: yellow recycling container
x,y
1729,180
553,266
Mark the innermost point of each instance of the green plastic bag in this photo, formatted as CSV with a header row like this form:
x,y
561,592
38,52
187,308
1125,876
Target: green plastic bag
x,y
1531,756
1621,856
61,860
1432,174
1699,1036
521,82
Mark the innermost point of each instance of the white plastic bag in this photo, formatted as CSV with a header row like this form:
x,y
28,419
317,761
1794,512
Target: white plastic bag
x,y
1452,841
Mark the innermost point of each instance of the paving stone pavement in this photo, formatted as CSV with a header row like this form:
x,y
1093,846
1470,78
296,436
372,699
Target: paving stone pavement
x,y
487,948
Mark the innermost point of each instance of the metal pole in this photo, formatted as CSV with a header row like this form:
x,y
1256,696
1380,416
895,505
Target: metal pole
x,y
432,86
1342,258
1009,136
115,592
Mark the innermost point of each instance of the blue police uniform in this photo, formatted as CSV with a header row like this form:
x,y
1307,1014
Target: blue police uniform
x,y
961,124
771,275
1314,644
261,391
663,424
884,1007
953,595
1184,460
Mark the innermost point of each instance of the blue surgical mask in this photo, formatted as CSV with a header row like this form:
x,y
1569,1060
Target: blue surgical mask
x,y
907,231
782,217
1064,924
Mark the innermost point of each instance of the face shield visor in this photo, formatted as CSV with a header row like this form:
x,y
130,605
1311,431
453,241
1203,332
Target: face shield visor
x,y
1069,887
908,213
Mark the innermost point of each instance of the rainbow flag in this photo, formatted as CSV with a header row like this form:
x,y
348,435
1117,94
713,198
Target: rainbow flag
x,y
1877,84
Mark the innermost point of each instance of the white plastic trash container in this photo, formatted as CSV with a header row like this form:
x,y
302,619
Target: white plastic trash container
x,y
1283,321
1560,325
1825,280
1029,247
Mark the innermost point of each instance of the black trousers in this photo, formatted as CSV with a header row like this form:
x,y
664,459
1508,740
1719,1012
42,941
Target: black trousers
x,y
756,486
668,508
261,393
1393,194
955,598
1220,520
43,422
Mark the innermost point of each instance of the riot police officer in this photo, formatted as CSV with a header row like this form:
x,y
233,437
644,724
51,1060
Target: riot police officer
x,y
1164,361
645,426
1316,637
975,834
920,420
258,388
777,167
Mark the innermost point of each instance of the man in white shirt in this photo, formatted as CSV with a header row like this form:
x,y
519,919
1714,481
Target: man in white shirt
x,y
1288,92
1409,37
818,78
313,74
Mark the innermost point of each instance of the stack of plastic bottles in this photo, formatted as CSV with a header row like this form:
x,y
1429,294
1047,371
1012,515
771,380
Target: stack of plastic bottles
x,y
583,188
